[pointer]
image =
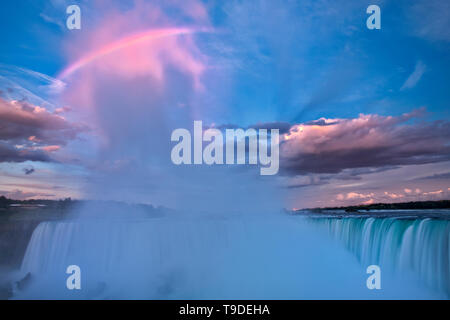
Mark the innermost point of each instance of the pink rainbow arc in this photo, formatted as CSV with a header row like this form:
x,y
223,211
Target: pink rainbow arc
x,y
123,43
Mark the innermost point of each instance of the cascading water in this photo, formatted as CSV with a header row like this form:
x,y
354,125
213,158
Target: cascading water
x,y
420,246
256,257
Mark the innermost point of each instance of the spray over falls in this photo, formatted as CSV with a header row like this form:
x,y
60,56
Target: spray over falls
x,y
265,257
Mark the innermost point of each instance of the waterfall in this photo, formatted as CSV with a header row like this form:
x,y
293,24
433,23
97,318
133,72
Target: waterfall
x,y
136,254
421,246
260,257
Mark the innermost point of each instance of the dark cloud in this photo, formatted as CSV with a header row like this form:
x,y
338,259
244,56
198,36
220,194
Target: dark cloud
x,y
29,132
10,153
321,122
28,170
302,181
282,126
435,176
308,181
369,141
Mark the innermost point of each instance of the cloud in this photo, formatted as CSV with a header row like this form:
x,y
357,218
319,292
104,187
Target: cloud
x,y
30,132
354,195
370,201
58,22
393,195
62,110
139,42
414,77
283,127
306,181
445,175
24,195
133,97
369,141
437,192
311,180
28,170
17,83
429,19
11,153
51,84
340,196
357,198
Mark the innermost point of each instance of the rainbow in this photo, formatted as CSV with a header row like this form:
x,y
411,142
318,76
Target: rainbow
x,y
123,43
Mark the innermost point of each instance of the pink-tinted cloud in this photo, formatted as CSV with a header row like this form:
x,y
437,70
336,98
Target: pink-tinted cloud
x,y
355,195
131,92
138,43
143,52
370,201
356,198
62,110
25,195
29,132
332,145
51,148
433,192
393,195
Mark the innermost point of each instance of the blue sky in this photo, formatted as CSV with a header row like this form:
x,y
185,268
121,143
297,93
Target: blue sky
x,y
264,62
285,50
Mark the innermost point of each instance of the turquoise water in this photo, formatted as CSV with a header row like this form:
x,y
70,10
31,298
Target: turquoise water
x,y
255,257
406,242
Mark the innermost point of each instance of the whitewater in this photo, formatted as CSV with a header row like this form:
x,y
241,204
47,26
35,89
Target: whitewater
x,y
259,256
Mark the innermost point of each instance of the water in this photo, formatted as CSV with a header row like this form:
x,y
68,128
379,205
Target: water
x,y
408,242
251,257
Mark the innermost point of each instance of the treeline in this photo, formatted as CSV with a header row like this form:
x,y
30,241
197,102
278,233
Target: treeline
x,y
6,202
441,204
65,206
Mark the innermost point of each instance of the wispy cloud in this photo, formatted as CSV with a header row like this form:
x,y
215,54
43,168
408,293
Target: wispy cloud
x,y
430,19
58,22
445,175
17,83
415,76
